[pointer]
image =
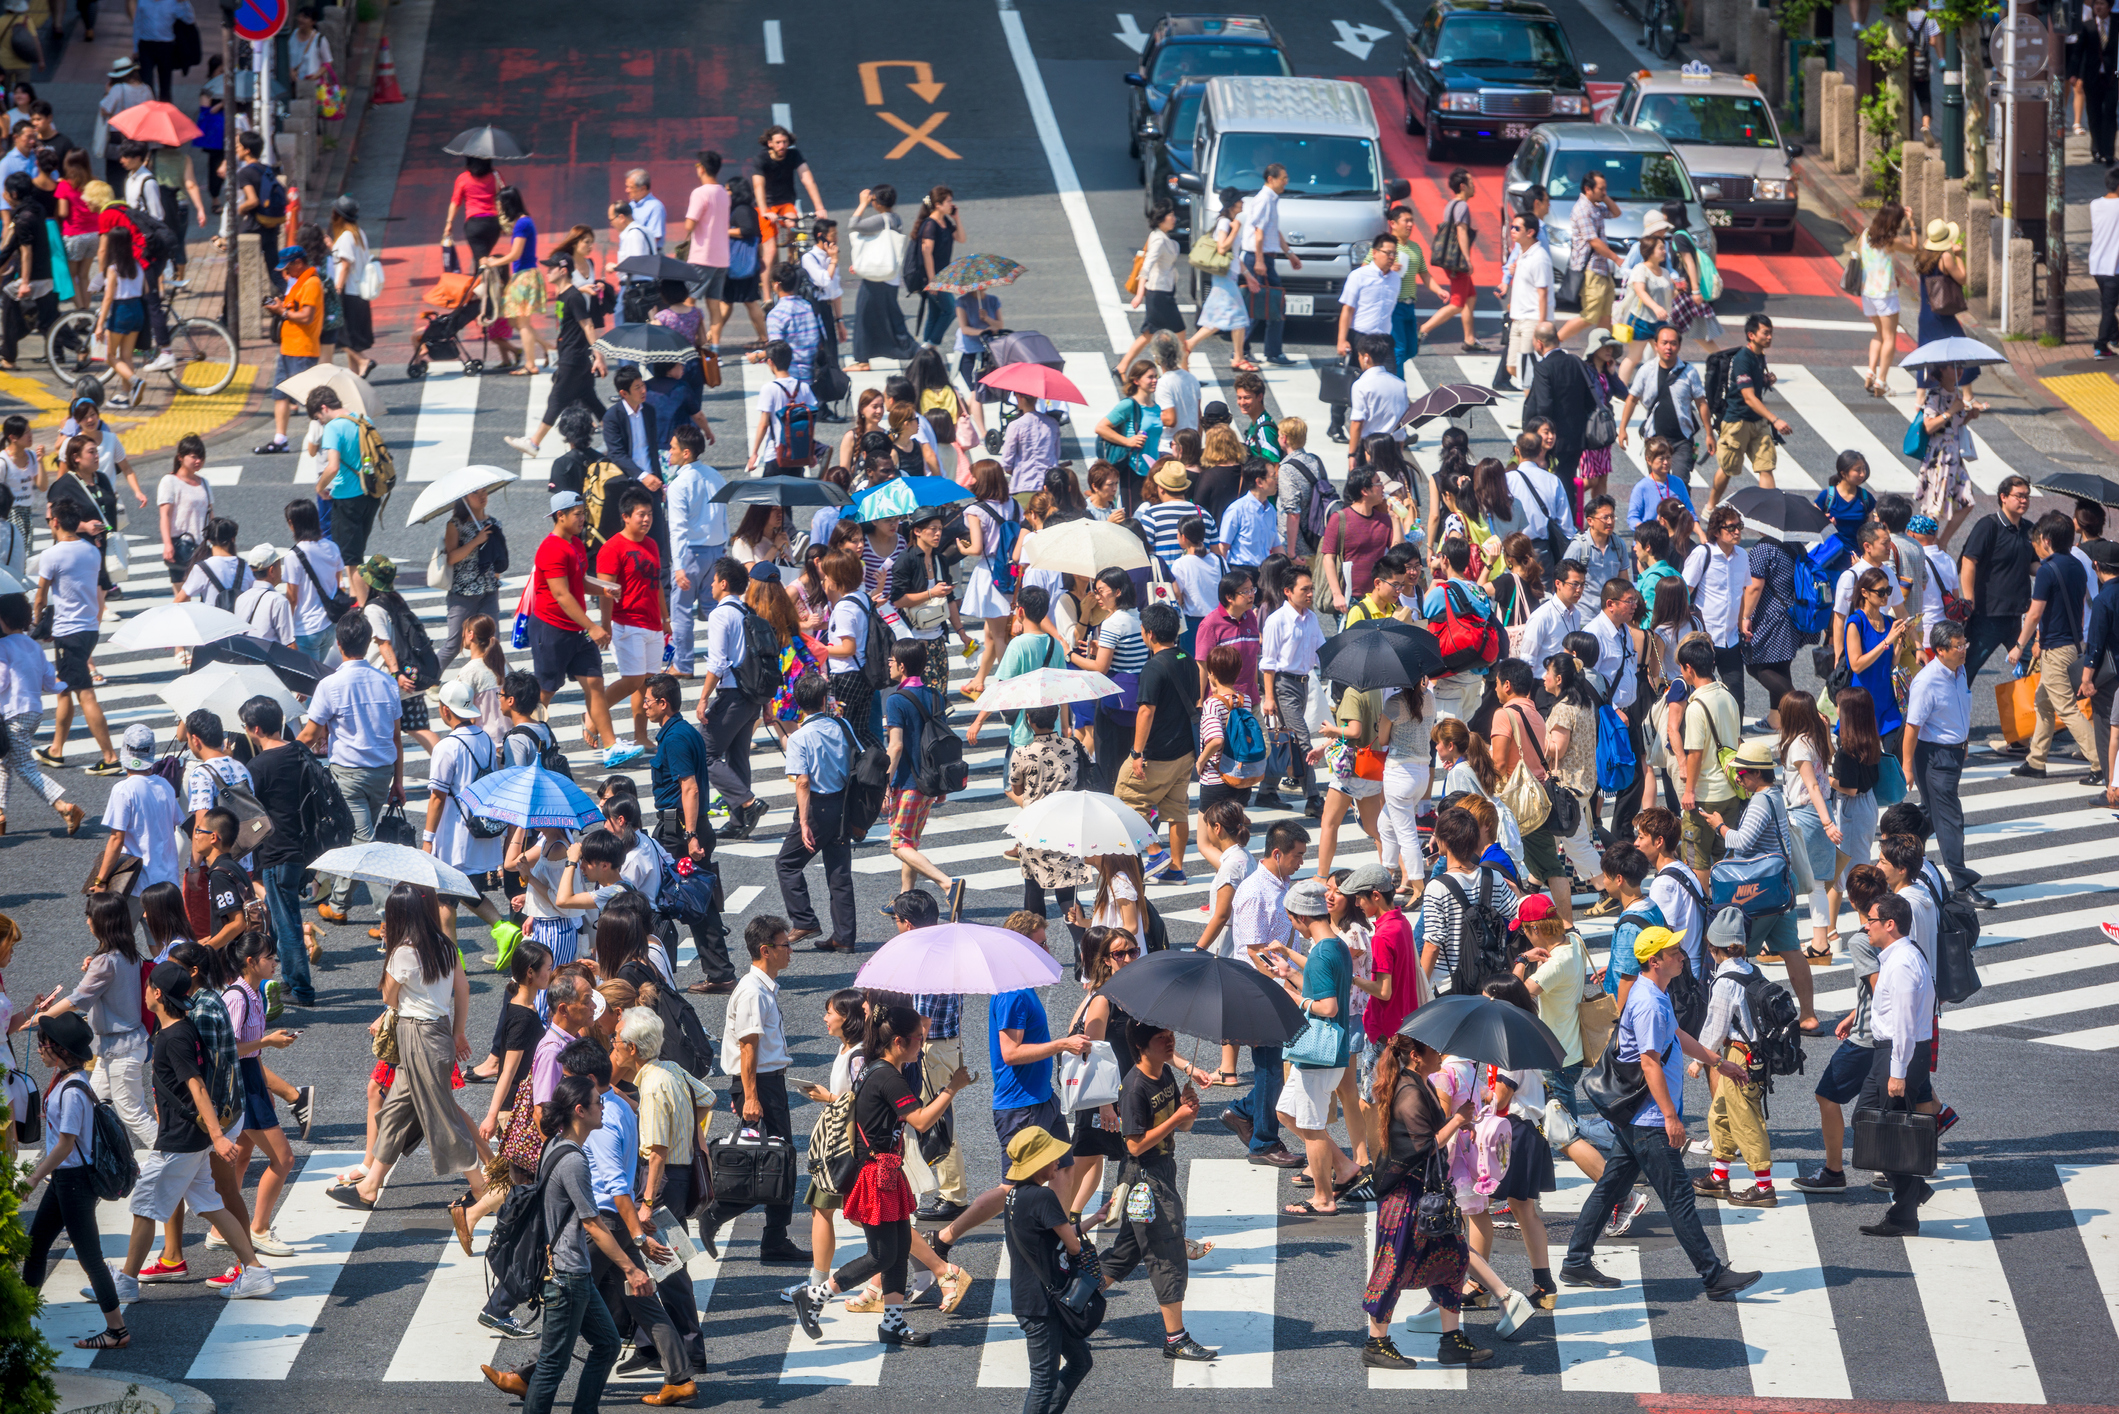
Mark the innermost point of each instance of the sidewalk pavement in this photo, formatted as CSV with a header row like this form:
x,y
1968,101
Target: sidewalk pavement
x,y
113,1392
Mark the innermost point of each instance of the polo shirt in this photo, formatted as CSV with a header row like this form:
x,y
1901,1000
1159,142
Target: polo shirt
x,y
2005,559
680,754
360,707
545,1073
817,749
1378,402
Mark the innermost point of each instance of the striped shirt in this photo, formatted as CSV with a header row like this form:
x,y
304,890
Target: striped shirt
x,y
1161,521
1121,633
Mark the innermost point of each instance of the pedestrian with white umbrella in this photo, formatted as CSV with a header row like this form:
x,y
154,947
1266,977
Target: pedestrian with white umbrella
x,y
186,625
474,550
1941,435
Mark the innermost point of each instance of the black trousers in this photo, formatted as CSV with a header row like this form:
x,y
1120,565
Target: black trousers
x,y
1034,897
772,1098
827,814
69,1202
1985,633
645,1313
710,934
158,60
19,318
729,720
2100,102
1059,1362
2107,310
1936,770
1774,678
1729,667
352,521
889,1250
1908,1190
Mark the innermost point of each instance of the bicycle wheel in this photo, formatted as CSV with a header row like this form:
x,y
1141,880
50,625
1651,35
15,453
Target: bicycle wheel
x,y
205,353
66,347
1662,33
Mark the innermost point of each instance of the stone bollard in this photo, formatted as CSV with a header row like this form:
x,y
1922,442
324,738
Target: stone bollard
x,y
1933,183
1978,221
1913,195
1813,97
252,284
1769,56
1722,28
1847,151
1827,114
1865,148
1954,205
2023,287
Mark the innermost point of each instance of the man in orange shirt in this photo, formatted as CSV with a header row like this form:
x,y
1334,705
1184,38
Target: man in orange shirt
x,y
301,312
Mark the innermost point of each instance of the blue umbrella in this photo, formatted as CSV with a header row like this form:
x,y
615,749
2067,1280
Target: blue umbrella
x,y
534,797
903,495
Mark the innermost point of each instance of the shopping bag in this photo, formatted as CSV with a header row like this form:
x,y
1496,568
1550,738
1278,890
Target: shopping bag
x,y
2016,704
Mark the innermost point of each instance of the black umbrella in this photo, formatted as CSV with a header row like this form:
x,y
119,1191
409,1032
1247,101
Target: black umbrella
x,y
1444,401
300,672
646,343
1210,997
1486,1030
1783,515
2082,485
488,142
782,491
1380,653
662,267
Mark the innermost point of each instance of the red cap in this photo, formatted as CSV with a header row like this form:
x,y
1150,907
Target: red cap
x,y
1535,908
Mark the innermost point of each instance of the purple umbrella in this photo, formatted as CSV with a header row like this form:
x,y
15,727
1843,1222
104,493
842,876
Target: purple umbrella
x,y
959,957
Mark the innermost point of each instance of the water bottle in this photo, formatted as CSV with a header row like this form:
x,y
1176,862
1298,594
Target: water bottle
x,y
2023,666
669,651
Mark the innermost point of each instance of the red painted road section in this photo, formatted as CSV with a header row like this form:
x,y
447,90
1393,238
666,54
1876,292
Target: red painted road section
x,y
1807,271
1693,1404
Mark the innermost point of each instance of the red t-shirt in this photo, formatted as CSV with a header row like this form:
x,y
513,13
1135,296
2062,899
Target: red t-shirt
x,y
637,570
559,557
1360,541
1391,953
476,195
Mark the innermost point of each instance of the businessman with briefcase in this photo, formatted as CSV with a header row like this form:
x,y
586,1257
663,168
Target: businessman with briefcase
x,y
1888,1135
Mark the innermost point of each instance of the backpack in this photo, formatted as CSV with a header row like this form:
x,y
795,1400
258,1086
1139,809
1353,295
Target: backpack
x,y
599,493
1777,1046
1483,937
1956,934
794,432
1320,500
378,467
112,1169
1811,613
480,827
1469,640
157,241
1154,933
1716,377
1000,555
867,786
549,756
1243,741
518,1252
940,770
325,820
1710,288
875,652
272,200
416,657
223,596
914,273
1617,768
1488,1153
835,1157
1556,537
1688,998
758,676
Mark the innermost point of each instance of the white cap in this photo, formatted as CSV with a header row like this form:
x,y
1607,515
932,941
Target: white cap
x,y
456,695
262,555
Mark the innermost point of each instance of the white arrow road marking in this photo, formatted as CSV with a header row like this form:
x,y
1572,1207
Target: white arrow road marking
x,y
1129,34
1357,40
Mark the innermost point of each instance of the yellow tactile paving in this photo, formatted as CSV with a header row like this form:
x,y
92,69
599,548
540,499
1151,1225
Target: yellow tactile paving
x,y
147,430
2094,395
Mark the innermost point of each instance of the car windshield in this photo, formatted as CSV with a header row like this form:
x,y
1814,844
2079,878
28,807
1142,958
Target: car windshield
x,y
1632,176
1183,61
1184,116
1711,119
1493,40
1317,166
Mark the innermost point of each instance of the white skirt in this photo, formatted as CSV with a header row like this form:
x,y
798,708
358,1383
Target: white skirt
x,y
981,600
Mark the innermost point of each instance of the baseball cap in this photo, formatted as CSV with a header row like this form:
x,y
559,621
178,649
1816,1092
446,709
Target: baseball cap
x,y
914,906
288,255
171,979
1306,900
457,696
1728,929
1535,908
1650,941
262,555
137,753
1369,878
765,570
2103,553
565,501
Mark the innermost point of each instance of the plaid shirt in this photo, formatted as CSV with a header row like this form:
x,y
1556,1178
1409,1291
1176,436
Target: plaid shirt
x,y
793,320
1587,224
944,1012
224,1083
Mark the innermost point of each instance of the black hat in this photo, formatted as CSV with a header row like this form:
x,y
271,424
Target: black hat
x,y
923,514
69,1033
2104,554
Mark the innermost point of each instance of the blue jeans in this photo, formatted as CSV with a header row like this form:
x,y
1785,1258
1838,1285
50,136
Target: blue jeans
x,y
1405,333
317,644
283,904
1274,314
1644,1150
571,1308
1053,1383
1262,1105
937,313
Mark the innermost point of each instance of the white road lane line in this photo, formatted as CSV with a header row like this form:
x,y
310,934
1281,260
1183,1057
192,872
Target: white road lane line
x,y
1987,470
1790,1335
1604,1339
2093,1192
849,1353
1809,399
445,1343
1973,1325
774,54
66,1315
441,438
1229,1300
1428,1373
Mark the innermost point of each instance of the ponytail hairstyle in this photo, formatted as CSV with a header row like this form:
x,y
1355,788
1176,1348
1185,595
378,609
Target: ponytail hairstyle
x,y
928,205
214,967
1456,453
162,910
1227,816
110,920
482,641
527,959
1573,689
570,1094
889,1025
248,947
1482,764
219,531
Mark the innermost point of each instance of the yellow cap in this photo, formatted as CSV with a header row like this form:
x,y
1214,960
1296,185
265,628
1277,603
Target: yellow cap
x,y
1030,1150
1650,941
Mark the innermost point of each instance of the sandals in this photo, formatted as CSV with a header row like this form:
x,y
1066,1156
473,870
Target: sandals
x,y
1225,1077
1818,953
1303,1208
1243,365
1195,1249
105,1339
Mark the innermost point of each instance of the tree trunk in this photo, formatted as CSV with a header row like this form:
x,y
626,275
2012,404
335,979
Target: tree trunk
x,y
1975,107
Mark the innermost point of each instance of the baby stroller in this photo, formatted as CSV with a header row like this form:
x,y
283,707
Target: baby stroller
x,y
1015,346
459,302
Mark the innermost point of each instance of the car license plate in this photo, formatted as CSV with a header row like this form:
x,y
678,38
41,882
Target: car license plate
x,y
1717,217
1301,306
1516,130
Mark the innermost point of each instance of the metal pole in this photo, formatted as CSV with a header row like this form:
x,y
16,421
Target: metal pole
x,y
2055,198
230,294
1952,107
2008,171
261,59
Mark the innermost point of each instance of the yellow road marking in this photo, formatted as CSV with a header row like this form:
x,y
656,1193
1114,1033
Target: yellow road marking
x,y
922,82
917,137
2094,395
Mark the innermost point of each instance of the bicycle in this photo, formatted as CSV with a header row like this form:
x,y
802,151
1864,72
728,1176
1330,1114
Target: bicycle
x,y
203,348
1660,21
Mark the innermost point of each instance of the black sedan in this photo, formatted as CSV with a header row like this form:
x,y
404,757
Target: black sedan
x,y
1489,70
1184,47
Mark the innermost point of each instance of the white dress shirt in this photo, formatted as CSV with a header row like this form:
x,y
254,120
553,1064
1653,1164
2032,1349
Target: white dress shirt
x,y
1378,402
1902,1008
1549,625
360,706
754,1010
1261,213
1617,662
1373,296
1718,582
1290,641
724,642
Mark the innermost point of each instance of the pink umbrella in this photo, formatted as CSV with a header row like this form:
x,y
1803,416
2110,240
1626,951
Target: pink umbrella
x,y
164,123
1036,380
961,958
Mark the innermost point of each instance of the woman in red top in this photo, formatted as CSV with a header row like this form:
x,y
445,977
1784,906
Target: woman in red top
x,y
476,195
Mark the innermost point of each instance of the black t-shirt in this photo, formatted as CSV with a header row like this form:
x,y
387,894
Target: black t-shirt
x,y
779,174
1144,1103
743,220
2004,557
97,502
881,1102
1746,370
573,344
179,1058
1854,775
1216,490
944,237
520,1030
258,177
276,780
1170,684
227,889
2061,584
1033,1211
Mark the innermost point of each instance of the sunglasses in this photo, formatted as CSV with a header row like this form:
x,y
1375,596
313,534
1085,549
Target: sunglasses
x,y
1124,952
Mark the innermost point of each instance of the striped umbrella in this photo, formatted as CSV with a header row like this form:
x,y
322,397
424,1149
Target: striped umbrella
x,y
968,274
533,797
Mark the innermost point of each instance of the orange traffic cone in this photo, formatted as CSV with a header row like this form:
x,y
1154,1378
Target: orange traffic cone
x,y
386,89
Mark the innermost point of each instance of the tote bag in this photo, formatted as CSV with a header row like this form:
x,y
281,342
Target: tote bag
x,y
879,255
1089,1081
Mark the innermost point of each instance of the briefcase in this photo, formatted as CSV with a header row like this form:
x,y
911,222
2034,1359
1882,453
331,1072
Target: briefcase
x,y
750,1168
1895,1141
1335,384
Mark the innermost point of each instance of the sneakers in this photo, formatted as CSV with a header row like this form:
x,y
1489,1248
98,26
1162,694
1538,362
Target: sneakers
x,y
1945,1120
524,445
268,1244
619,755
1622,1217
273,448
44,757
1515,1315
106,768
1425,1321
508,1326
304,1111
159,1270
1586,1275
1167,876
254,1282
225,1280
214,1240
1754,1197
1378,1353
1456,1348
1725,1284
128,1288
1186,1348
164,361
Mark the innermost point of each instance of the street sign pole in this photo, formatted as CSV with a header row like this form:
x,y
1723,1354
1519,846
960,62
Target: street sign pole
x,y
2008,172
1952,107
2056,261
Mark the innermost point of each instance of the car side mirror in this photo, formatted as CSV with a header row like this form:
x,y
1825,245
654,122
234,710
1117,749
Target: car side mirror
x,y
1191,181
1795,149
1710,191
1150,132
1137,80
1590,69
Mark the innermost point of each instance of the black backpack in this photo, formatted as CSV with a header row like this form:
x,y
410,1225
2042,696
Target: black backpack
x,y
1483,936
323,818
1154,933
940,770
549,756
223,596
112,1169
867,786
1716,378
1777,1045
1688,998
875,651
1956,934
518,1251
758,675
416,657
684,1037
159,241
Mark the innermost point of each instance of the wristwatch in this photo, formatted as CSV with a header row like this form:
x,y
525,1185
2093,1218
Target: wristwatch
x,y
1135,755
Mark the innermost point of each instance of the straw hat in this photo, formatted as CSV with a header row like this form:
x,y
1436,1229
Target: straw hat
x,y
1942,235
1755,755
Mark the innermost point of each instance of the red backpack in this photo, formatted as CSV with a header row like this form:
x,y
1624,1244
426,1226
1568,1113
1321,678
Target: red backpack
x,y
1470,640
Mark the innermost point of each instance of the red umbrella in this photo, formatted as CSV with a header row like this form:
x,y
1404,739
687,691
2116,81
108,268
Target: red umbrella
x,y
1036,380
164,123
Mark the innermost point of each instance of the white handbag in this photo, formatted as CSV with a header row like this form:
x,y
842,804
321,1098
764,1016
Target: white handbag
x,y
117,558
371,279
879,255
917,1171
438,567
1089,1081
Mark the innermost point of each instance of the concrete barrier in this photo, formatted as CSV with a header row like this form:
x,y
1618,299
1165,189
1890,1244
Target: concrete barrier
x,y
1827,134
1847,150
1978,219
2023,288
1813,97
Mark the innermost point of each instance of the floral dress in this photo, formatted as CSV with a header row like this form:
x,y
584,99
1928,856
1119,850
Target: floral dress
x,y
1050,763
1944,482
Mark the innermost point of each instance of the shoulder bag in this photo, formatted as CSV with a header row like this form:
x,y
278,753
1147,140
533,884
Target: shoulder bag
x,y
1614,1086
1943,295
879,255
1564,815
1078,1306
1316,1046
1598,1014
1524,794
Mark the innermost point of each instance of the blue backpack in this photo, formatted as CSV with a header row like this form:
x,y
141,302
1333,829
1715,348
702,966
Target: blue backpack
x,y
1616,768
1244,742
1001,553
1811,613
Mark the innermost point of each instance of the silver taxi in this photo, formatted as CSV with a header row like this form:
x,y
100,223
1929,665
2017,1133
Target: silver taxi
x,y
1723,129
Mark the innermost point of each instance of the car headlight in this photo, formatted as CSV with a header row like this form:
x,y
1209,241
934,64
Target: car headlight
x,y
1563,103
1771,188
1358,253
1460,102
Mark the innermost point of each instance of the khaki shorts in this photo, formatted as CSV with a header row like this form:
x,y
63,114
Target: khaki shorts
x,y
1746,440
1165,788
1596,300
